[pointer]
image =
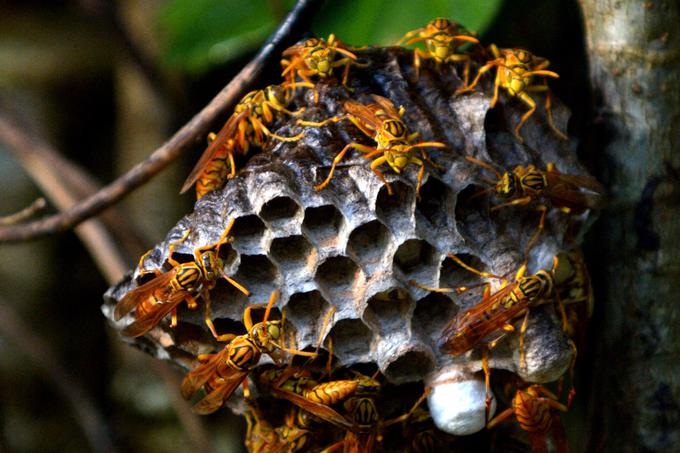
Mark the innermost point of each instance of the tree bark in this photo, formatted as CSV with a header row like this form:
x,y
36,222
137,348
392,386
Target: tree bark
x,y
634,55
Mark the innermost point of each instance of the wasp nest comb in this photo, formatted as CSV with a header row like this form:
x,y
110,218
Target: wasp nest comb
x,y
369,250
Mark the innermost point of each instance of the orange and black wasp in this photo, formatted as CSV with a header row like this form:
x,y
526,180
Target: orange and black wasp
x,y
515,72
495,310
544,189
443,38
316,56
245,127
222,372
535,408
261,436
157,298
381,121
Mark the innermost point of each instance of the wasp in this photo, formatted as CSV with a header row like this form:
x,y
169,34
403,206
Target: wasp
x,y
443,38
495,311
161,296
316,56
222,372
245,127
261,436
382,122
296,434
544,189
535,409
515,72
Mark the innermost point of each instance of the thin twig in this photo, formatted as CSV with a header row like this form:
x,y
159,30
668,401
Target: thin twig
x,y
182,141
38,352
46,167
25,214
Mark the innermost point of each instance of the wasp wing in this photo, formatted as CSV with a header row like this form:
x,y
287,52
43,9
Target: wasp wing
x,y
467,330
320,410
575,192
151,318
365,115
387,106
197,377
215,399
153,288
221,143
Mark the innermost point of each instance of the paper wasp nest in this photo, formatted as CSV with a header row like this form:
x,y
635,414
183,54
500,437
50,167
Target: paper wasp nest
x,y
355,247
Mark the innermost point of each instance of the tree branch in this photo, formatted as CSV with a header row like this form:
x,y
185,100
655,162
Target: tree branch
x,y
634,56
183,139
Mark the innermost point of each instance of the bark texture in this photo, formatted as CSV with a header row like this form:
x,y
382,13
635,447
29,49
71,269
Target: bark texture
x,y
634,53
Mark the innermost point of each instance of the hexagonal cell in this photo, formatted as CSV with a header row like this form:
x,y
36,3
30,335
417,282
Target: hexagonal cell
x,y
322,224
411,366
396,210
309,310
472,214
259,275
387,311
433,203
414,255
368,243
351,340
279,210
432,313
247,232
293,253
227,301
340,278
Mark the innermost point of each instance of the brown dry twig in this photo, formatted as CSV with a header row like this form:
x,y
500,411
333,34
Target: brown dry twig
x,y
180,142
25,214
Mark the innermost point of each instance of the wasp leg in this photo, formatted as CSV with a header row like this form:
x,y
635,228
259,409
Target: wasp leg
x,y
539,230
374,166
487,384
337,160
500,417
528,100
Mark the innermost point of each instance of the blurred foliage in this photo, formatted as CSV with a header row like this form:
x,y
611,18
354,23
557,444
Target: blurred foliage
x,y
202,33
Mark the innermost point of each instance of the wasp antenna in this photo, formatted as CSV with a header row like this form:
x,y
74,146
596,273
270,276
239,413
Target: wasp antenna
x,y
480,193
483,164
272,300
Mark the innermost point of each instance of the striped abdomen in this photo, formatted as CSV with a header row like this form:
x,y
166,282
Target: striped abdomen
x,y
532,413
330,393
364,413
214,175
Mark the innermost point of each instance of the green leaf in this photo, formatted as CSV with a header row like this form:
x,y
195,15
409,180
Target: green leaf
x,y
201,33
383,22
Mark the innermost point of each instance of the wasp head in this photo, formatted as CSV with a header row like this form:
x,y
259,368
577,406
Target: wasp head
x,y
211,264
277,95
265,335
507,185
